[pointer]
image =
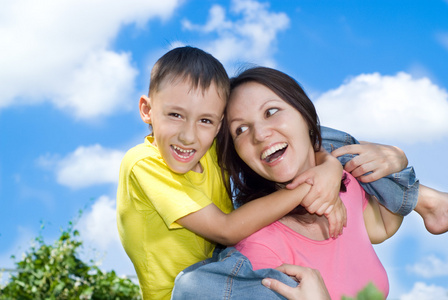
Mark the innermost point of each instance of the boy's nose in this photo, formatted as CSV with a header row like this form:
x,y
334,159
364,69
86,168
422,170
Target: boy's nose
x,y
187,134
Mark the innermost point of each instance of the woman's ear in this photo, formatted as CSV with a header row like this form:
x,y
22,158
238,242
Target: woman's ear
x,y
145,109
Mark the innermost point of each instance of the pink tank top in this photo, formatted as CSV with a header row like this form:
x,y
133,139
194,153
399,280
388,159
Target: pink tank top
x,y
347,264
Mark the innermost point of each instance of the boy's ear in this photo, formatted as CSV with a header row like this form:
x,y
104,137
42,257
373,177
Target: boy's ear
x,y
145,109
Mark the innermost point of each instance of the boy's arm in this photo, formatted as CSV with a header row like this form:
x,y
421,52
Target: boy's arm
x,y
323,198
228,229
325,179
380,160
380,223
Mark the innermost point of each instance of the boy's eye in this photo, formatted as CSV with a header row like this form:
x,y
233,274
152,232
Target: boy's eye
x,y
240,130
271,111
206,121
176,115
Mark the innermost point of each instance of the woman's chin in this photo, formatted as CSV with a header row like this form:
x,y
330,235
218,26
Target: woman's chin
x,y
283,179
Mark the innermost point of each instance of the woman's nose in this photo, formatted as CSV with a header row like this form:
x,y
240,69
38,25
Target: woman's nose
x,y
261,132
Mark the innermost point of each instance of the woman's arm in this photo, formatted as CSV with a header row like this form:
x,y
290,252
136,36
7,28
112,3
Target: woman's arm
x,y
228,229
380,223
311,285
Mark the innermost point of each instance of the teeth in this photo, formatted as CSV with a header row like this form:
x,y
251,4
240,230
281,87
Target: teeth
x,y
187,152
273,149
182,150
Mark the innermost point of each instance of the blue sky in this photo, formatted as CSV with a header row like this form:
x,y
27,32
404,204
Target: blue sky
x,y
73,71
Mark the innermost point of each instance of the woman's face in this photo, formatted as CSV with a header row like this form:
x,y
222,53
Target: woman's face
x,y
270,135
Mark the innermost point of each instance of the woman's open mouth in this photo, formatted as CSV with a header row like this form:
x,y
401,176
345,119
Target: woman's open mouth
x,y
273,153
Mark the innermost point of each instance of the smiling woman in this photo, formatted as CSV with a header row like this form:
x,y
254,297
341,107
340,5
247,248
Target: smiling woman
x,y
263,117
270,137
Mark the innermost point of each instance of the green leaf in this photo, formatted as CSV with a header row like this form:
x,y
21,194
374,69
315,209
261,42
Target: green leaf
x,y
370,292
56,272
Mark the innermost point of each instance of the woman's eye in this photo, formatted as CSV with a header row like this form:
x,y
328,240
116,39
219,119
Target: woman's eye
x,y
240,130
271,111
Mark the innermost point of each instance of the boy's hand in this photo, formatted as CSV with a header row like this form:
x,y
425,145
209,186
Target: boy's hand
x,y
380,160
337,218
323,198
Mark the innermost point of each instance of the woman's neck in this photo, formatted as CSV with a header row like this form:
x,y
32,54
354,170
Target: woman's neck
x,y
308,164
309,225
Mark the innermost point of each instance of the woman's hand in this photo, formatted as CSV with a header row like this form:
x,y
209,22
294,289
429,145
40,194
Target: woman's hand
x,y
323,198
380,160
311,285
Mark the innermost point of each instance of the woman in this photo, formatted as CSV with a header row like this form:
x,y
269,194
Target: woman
x,y
272,138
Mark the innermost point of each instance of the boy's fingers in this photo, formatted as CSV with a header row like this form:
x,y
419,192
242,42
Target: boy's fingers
x,y
332,225
360,170
299,180
323,208
337,220
348,149
354,163
310,201
375,175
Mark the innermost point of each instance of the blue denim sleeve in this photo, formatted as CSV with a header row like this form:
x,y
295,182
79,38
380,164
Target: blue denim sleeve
x,y
398,192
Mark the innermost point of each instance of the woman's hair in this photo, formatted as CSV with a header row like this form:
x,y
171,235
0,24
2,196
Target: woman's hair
x,y
246,184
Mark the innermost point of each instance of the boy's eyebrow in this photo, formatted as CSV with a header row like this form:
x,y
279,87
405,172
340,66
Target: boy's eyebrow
x,y
209,115
182,109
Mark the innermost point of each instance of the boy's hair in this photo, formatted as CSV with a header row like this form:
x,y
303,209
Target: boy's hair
x,y
189,63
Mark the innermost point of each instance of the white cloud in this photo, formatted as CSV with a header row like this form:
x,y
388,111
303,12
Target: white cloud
x,y
251,37
98,231
430,267
101,86
24,238
59,51
390,108
421,291
98,227
442,38
412,235
86,166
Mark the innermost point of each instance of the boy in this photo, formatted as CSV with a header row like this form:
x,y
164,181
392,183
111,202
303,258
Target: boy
x,y
172,206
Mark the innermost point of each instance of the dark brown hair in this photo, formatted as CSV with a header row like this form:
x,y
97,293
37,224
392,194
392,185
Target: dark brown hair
x,y
246,184
191,63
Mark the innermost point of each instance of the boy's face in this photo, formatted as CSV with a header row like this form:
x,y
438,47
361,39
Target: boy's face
x,y
184,122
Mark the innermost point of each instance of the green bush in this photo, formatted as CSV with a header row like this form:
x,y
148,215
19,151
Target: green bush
x,y
370,292
56,272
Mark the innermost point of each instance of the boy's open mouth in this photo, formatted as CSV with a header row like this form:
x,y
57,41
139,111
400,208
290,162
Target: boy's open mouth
x,y
182,153
273,153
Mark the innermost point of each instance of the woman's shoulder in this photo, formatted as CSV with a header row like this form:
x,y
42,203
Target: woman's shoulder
x,y
353,192
266,234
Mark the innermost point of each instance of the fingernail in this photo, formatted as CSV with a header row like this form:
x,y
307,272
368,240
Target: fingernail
x,y
266,282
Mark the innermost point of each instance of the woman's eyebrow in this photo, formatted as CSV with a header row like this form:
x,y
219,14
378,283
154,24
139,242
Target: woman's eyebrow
x,y
262,106
237,119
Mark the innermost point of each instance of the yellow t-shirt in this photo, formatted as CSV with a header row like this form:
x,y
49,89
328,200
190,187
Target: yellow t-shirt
x,y
150,199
